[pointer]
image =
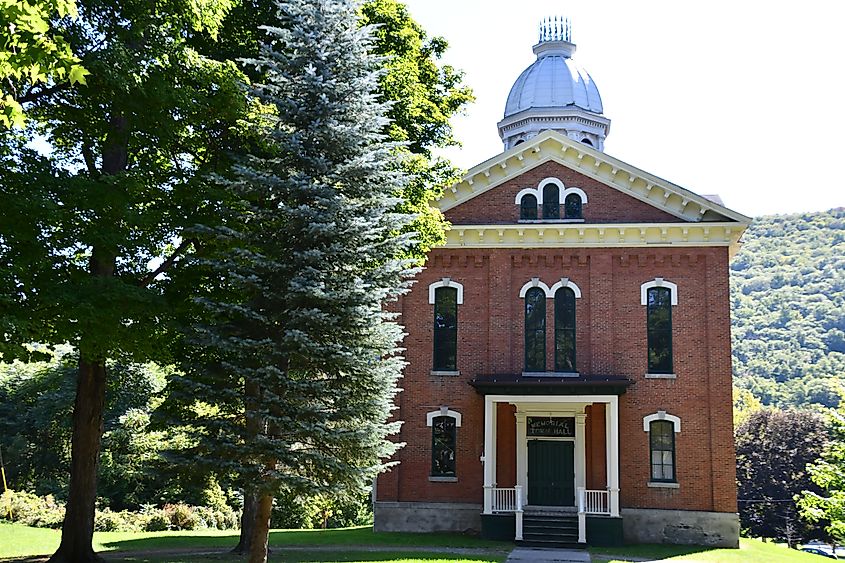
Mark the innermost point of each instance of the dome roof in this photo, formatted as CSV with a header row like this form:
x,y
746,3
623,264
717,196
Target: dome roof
x,y
554,80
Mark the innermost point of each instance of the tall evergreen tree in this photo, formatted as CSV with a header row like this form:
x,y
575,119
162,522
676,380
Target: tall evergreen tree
x,y
290,379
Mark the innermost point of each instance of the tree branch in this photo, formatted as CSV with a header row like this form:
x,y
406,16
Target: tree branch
x,y
168,262
88,156
32,96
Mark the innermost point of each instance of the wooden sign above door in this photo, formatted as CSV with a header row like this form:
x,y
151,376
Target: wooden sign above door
x,y
551,426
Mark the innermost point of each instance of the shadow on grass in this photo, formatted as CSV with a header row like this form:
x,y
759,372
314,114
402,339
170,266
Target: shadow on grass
x,y
280,556
279,539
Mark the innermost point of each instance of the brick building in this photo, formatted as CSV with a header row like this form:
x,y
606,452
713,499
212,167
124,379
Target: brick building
x,y
568,348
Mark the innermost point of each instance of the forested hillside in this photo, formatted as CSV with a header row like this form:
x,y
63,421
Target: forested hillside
x,y
788,306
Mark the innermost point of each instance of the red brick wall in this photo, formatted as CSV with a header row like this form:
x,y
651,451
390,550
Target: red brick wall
x,y
604,204
611,340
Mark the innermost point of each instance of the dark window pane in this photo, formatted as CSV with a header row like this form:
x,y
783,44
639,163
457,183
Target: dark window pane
x,y
445,328
565,330
443,439
528,207
551,202
535,330
659,325
572,207
662,446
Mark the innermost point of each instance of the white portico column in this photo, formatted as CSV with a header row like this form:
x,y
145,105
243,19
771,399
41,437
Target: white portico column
x,y
489,453
580,452
521,452
612,442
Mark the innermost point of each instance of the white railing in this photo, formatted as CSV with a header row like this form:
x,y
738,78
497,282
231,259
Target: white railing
x,y
508,499
590,502
504,499
594,502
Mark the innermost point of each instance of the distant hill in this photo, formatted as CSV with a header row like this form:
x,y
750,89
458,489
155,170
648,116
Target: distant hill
x,y
788,309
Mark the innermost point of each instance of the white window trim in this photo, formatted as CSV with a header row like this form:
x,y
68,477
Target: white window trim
x,y
537,192
565,282
446,282
661,415
535,282
577,191
443,411
658,282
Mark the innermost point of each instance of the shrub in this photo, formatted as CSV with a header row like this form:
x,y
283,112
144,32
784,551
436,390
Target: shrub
x,y
44,512
157,522
182,517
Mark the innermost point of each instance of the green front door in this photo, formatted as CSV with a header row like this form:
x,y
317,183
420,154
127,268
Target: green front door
x,y
551,473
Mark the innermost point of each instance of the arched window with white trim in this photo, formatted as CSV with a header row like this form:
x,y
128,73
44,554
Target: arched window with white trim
x,y
444,424
565,330
528,207
535,329
659,296
661,428
445,295
551,201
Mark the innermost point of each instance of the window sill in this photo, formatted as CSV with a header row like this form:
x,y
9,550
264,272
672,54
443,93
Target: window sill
x,y
551,374
447,373
663,485
443,479
661,376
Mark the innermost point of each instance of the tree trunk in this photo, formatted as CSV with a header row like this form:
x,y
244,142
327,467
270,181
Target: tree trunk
x,y
261,532
78,526
247,522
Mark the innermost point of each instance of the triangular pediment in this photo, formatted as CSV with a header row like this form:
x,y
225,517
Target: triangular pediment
x,y
551,146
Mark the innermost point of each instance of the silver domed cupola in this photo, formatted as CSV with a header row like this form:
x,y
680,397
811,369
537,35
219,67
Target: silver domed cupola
x,y
554,93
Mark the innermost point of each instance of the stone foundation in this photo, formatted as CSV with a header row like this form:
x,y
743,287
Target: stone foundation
x,y
688,527
427,517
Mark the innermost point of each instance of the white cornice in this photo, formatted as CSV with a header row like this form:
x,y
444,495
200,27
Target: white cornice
x,y
604,235
552,146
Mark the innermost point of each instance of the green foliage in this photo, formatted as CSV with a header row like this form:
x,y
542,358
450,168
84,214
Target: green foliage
x,y
773,448
829,475
31,54
292,511
788,307
424,96
46,512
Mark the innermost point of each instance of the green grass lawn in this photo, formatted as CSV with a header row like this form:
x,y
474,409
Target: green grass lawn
x,y
346,545
750,550
22,541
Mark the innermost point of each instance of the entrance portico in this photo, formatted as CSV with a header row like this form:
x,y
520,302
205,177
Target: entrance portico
x,y
550,448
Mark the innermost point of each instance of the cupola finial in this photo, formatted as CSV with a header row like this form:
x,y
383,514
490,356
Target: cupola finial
x,y
555,28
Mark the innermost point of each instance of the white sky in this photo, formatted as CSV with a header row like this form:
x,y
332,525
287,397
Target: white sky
x,y
682,82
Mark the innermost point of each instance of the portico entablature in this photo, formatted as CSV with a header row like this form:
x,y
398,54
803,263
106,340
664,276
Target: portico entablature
x,y
553,146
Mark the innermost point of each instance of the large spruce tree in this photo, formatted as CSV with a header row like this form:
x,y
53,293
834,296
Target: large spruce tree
x,y
289,378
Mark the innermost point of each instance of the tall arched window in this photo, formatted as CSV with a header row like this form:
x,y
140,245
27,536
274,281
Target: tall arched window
x,y
528,207
551,202
662,446
535,329
659,326
445,329
572,207
565,330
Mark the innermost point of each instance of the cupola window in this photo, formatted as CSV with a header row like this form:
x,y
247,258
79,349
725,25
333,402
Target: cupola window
x,y
551,202
572,207
528,207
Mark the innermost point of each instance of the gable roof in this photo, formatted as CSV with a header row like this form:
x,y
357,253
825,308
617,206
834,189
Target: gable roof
x,y
630,180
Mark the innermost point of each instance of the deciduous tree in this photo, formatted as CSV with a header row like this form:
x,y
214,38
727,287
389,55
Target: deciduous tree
x,y
828,473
